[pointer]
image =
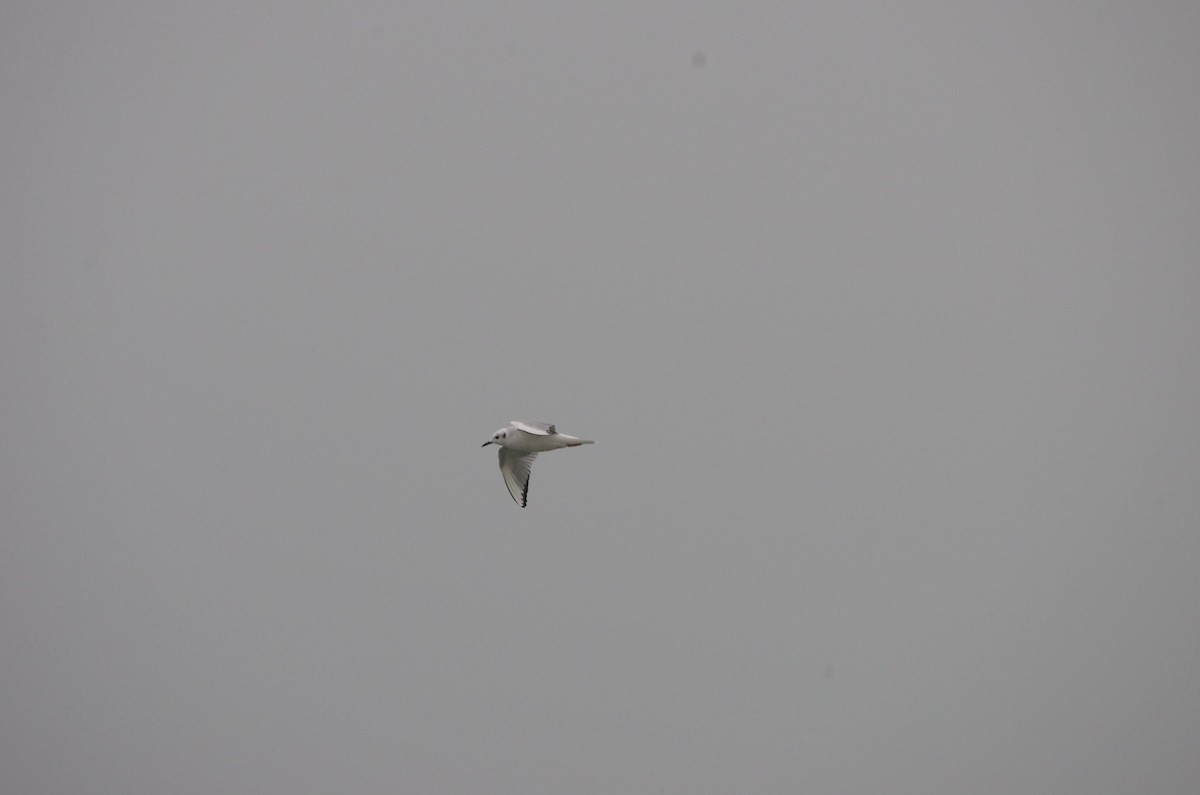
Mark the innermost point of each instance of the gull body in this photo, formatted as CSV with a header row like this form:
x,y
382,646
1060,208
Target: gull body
x,y
519,444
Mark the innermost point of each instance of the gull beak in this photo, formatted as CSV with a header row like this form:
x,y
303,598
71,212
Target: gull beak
x,y
485,444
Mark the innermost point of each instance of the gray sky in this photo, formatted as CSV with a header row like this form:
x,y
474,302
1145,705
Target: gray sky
x,y
884,318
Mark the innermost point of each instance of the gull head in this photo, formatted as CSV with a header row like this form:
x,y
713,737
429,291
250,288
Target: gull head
x,y
499,437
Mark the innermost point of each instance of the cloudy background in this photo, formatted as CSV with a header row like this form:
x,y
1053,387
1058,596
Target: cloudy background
x,y
885,318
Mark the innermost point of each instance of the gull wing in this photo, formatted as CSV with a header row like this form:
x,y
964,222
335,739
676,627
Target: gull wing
x,y
536,428
516,467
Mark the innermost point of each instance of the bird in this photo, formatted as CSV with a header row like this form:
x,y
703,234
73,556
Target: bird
x,y
519,444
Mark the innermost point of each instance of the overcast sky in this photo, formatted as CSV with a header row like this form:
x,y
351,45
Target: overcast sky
x,y
885,318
